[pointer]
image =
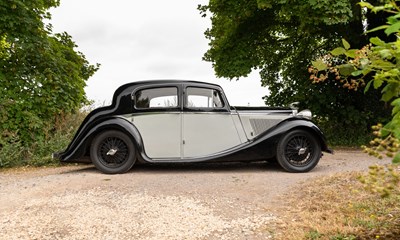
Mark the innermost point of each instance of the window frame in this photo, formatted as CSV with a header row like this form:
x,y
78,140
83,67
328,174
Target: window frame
x,y
187,108
161,109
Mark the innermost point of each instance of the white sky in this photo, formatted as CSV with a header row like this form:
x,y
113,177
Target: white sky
x,y
143,40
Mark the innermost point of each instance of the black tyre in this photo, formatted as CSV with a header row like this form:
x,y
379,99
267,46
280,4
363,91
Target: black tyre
x,y
298,151
113,152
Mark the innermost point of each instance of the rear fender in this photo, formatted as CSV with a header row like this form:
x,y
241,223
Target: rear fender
x,y
81,145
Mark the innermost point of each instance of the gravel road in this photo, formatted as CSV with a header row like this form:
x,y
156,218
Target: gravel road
x,y
206,201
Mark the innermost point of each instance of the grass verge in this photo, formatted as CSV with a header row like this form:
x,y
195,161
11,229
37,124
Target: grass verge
x,y
338,207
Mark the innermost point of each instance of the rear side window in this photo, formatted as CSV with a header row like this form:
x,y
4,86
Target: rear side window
x,y
165,97
203,98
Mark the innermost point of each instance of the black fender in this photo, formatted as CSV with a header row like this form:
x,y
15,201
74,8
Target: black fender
x,y
80,145
290,124
264,145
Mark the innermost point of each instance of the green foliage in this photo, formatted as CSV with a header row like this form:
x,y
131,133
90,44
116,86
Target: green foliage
x,y
41,73
14,152
381,180
279,39
343,237
352,137
11,151
378,60
378,63
313,235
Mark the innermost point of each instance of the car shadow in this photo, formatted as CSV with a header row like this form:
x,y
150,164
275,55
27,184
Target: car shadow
x,y
191,167
207,167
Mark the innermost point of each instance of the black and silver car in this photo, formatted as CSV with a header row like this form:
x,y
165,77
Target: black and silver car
x,y
171,121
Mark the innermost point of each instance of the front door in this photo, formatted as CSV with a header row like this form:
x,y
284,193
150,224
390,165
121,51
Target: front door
x,y
207,123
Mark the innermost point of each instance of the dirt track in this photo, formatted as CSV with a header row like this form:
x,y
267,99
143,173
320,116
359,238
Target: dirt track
x,y
207,201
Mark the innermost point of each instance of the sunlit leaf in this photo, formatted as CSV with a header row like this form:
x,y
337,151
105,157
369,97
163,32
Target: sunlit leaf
x,y
378,28
346,69
378,8
395,110
366,4
345,44
396,102
377,83
387,129
351,53
357,73
393,28
385,53
377,41
382,64
338,51
320,65
366,71
368,86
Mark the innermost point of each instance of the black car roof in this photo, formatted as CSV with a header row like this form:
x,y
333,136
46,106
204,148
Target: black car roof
x,y
166,81
123,94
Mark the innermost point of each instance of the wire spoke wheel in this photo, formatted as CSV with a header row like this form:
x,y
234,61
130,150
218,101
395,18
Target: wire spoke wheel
x,y
298,151
113,152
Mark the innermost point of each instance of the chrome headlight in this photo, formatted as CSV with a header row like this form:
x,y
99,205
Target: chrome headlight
x,y
305,114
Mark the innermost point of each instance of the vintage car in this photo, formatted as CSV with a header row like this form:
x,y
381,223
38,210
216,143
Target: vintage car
x,y
171,121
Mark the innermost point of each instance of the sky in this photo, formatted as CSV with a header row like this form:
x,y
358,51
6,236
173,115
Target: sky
x,y
144,40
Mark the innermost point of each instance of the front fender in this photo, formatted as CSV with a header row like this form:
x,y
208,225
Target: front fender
x,y
264,145
81,143
274,134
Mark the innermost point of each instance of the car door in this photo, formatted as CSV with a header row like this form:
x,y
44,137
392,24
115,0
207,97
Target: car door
x,y
207,123
159,121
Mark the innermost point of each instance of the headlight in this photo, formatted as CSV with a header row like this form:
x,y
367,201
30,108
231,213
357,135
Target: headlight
x,y
305,114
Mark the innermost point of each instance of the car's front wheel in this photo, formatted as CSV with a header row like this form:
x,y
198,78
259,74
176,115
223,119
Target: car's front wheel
x,y
298,151
112,152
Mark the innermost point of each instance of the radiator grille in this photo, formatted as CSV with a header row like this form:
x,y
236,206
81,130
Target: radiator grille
x,y
261,125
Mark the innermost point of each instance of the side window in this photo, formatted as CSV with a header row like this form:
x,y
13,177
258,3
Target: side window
x,y
166,97
203,98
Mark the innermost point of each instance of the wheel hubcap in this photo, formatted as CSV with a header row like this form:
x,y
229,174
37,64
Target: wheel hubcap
x,y
113,152
299,151
302,151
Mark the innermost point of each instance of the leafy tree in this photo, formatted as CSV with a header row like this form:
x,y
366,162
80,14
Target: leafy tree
x,y
280,38
41,73
377,64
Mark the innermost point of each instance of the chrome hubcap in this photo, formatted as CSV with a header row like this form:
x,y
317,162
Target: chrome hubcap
x,y
112,152
302,151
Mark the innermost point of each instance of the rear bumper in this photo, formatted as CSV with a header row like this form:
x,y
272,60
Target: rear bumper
x,y
56,155
328,150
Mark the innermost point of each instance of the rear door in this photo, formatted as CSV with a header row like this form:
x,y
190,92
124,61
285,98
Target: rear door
x,y
159,121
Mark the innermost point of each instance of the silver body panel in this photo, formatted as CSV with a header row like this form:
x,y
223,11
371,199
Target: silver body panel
x,y
208,133
183,135
161,133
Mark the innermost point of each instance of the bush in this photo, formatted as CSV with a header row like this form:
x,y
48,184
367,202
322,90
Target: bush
x,y
55,136
344,137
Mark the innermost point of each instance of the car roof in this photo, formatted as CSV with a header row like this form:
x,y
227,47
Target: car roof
x,y
125,91
166,81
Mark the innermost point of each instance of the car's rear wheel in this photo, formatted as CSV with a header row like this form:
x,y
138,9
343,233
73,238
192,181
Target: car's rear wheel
x,y
298,151
113,152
